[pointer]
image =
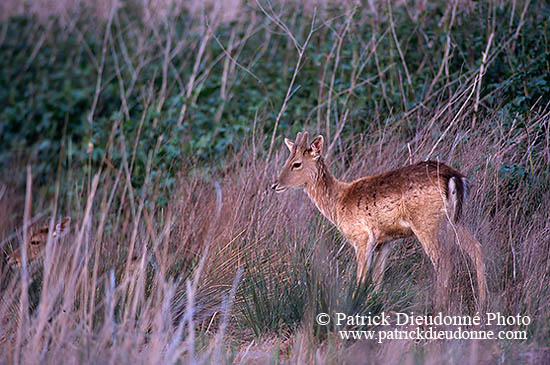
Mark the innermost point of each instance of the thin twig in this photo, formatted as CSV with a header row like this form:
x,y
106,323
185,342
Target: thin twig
x,y
392,25
480,76
301,52
453,121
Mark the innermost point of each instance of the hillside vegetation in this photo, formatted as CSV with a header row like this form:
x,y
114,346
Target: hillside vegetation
x,y
158,128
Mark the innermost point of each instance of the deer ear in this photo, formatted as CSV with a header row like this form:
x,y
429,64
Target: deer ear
x,y
41,230
317,147
289,144
62,228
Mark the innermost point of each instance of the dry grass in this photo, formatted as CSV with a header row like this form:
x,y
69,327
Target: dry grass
x,y
93,308
226,271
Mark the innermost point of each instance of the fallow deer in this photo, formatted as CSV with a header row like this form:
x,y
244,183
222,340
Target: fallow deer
x,y
38,240
35,248
371,211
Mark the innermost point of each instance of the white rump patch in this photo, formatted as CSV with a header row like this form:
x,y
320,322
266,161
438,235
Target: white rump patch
x,y
453,194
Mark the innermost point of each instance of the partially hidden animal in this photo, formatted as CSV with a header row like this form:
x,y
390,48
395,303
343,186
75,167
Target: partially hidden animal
x,y
37,241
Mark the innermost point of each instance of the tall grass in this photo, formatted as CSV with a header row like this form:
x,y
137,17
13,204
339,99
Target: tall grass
x,y
178,250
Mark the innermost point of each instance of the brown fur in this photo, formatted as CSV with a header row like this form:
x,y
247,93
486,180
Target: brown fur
x,y
411,201
38,240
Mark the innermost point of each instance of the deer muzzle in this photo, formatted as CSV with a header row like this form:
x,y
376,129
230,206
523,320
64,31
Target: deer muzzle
x,y
278,188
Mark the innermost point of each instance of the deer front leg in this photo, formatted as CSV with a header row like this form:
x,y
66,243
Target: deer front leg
x,y
364,251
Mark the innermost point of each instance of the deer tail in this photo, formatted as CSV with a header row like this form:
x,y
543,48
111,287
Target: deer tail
x,y
458,190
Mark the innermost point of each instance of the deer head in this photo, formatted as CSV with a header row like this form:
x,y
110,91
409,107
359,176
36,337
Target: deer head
x,y
38,241
301,167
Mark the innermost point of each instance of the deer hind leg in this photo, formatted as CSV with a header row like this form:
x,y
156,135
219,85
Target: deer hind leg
x,y
428,237
473,248
381,253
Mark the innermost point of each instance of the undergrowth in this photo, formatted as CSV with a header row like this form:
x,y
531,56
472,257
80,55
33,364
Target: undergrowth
x,y
160,132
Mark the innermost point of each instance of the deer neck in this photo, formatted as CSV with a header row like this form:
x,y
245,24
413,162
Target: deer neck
x,y
324,190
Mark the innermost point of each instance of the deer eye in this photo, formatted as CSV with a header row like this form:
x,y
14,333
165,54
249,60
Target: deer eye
x,y
35,242
296,165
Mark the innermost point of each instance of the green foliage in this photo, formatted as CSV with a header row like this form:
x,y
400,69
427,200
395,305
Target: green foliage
x,y
49,78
